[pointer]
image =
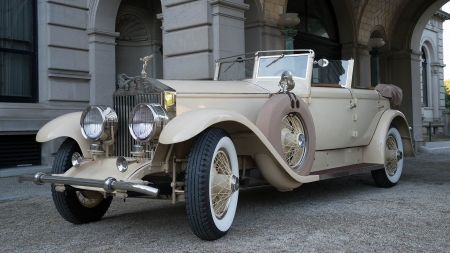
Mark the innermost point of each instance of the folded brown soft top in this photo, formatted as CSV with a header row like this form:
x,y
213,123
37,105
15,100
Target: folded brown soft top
x,y
391,92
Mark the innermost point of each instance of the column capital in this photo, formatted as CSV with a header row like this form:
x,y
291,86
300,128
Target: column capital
x,y
238,6
102,37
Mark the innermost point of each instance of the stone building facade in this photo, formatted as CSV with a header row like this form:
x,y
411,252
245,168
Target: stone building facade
x,y
78,47
432,75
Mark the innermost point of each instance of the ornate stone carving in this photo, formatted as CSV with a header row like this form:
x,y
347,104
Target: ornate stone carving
x,y
131,28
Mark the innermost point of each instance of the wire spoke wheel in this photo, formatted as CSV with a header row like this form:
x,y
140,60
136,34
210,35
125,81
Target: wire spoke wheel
x,y
76,206
88,201
391,159
294,140
221,184
211,184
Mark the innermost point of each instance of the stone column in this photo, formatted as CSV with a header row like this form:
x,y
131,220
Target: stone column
x,y
198,32
228,27
404,67
102,53
361,71
102,59
435,98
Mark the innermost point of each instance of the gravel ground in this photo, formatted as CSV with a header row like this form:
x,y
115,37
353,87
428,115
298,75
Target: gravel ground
x,y
340,215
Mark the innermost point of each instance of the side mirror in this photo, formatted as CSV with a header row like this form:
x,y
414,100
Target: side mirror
x,y
322,62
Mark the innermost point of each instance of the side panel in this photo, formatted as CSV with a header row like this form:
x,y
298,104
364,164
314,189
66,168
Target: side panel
x,y
368,111
325,160
333,117
247,105
67,125
374,152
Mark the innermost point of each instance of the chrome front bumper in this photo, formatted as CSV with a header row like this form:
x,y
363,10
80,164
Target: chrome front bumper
x,y
110,184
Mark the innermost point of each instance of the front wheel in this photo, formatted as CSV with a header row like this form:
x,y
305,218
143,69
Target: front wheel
x,y
212,184
393,165
76,206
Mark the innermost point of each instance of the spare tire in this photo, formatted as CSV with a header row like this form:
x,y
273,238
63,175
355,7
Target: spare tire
x,y
290,131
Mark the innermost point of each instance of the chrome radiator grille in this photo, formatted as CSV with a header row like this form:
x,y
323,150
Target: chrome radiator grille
x,y
123,104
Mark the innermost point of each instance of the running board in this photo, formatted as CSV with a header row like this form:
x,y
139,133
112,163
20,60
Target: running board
x,y
347,170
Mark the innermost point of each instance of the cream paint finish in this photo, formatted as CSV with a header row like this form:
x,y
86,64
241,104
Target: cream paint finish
x,y
369,108
191,123
333,118
329,159
67,125
104,167
247,105
213,87
374,152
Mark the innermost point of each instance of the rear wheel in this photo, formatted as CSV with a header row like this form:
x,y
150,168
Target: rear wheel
x,y
76,206
393,165
212,184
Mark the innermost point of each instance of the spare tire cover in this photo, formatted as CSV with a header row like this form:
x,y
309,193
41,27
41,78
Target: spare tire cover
x,y
269,122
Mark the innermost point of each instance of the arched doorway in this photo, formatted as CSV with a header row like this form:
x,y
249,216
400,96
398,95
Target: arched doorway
x,y
405,59
317,29
140,36
424,78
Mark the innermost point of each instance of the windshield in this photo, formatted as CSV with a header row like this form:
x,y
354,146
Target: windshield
x,y
335,73
237,69
274,66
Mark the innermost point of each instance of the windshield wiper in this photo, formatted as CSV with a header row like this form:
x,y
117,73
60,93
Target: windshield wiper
x,y
281,56
239,59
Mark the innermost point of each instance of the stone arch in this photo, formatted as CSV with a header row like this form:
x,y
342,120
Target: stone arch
x,y
375,12
131,27
425,74
254,26
102,16
427,44
140,35
405,57
378,31
346,21
411,22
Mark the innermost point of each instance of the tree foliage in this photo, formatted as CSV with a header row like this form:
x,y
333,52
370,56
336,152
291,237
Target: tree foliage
x,y
447,93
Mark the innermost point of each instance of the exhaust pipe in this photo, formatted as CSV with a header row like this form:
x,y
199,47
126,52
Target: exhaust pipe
x,y
110,184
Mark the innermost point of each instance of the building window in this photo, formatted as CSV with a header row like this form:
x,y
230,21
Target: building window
x,y
424,79
317,28
18,49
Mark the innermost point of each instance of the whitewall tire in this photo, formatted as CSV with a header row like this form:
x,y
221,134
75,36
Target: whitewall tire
x,y
393,156
212,184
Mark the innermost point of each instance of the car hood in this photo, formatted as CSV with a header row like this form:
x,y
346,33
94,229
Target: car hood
x,y
216,87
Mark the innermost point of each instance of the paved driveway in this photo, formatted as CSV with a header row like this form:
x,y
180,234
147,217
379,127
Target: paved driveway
x,y
344,214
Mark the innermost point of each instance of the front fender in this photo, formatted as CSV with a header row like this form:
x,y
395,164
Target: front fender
x,y
374,152
67,125
243,133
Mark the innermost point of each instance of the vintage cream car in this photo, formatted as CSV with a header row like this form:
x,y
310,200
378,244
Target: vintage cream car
x,y
274,117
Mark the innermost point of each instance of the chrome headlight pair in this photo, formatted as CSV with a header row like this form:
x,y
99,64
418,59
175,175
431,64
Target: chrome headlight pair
x,y
147,121
97,121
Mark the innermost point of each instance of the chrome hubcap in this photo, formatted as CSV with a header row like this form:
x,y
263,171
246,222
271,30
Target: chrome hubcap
x,y
301,140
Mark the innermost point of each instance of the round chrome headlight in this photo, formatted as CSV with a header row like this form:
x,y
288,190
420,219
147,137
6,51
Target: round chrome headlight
x,y
96,123
147,121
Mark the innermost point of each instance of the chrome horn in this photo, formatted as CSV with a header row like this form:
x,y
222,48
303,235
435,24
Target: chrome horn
x,y
122,163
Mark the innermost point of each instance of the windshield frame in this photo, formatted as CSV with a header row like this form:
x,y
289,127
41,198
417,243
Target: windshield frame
x,y
258,62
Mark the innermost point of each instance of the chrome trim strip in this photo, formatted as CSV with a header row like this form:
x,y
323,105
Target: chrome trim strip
x,y
109,184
